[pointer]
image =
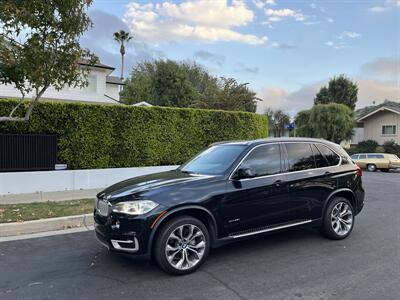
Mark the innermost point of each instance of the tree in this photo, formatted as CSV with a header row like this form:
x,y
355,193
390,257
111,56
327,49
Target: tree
x,y
49,53
340,90
334,122
184,84
162,83
228,94
277,121
122,37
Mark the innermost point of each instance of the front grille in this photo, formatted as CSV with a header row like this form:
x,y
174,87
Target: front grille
x,y
103,207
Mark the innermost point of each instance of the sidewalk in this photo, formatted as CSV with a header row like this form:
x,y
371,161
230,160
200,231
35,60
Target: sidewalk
x,y
48,196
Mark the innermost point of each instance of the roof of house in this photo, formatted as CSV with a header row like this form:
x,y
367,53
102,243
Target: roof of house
x,y
143,103
114,80
97,65
370,110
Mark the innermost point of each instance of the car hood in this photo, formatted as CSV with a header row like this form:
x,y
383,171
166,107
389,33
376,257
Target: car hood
x,y
137,186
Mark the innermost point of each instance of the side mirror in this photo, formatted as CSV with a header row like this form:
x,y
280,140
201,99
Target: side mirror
x,y
242,173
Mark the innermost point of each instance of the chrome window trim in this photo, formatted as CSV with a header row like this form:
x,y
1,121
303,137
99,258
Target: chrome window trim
x,y
285,173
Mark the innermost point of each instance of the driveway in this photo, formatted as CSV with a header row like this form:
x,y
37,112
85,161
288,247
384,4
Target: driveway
x,y
296,264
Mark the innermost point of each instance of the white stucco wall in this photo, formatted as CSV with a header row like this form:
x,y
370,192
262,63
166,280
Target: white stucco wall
x,y
112,90
358,136
93,93
69,180
373,127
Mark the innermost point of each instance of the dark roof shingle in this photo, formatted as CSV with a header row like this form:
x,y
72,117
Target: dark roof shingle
x,y
362,112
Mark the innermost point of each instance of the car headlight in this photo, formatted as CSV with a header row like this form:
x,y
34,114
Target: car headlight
x,y
135,208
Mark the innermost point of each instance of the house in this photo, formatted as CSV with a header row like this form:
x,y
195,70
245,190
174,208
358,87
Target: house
x,y
102,88
378,122
143,104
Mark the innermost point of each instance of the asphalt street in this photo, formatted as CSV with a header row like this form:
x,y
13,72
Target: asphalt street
x,y
295,264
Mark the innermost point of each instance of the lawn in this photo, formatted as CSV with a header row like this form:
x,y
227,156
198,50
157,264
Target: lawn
x,y
41,210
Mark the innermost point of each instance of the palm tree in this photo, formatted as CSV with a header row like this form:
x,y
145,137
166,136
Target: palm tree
x,y
122,37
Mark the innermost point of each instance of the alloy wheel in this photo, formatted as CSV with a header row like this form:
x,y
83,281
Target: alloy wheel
x,y
342,218
185,247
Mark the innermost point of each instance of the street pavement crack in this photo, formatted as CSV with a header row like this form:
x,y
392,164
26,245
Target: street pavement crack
x,y
224,284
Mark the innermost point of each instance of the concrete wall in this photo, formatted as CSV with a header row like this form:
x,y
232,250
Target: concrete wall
x,y
69,180
373,127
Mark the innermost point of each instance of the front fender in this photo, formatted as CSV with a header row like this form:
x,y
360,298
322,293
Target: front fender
x,y
213,232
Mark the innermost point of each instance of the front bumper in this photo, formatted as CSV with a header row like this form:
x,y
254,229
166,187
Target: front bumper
x,y
124,234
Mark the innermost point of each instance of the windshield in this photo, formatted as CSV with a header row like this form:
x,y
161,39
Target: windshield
x,y
215,160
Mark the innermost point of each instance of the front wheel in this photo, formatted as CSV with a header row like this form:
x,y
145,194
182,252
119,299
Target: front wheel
x,y
182,245
338,219
371,168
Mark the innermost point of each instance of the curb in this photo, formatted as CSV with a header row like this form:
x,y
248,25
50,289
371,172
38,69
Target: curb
x,y
43,225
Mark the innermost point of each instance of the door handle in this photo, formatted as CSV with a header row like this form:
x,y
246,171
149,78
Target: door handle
x,y
278,182
327,173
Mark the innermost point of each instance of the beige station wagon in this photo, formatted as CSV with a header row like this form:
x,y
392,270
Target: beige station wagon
x,y
376,161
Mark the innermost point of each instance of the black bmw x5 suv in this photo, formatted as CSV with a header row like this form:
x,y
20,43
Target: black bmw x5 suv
x,y
230,191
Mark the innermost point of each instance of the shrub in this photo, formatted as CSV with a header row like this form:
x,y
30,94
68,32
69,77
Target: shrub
x,y
391,147
104,136
368,146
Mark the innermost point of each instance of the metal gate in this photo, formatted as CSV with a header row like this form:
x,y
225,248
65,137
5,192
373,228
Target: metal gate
x,y
24,152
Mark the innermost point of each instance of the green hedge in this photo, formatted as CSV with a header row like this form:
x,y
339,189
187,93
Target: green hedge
x,y
103,136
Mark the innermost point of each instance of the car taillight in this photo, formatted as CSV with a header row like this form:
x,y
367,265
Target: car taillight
x,y
358,171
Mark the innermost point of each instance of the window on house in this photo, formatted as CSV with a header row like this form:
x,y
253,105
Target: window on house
x,y
92,84
389,129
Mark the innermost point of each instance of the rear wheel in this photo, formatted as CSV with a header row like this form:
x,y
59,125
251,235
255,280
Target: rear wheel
x,y
182,245
338,219
371,167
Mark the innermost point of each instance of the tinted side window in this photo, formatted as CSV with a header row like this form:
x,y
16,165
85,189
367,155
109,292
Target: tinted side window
x,y
300,156
332,158
264,160
354,156
362,156
320,160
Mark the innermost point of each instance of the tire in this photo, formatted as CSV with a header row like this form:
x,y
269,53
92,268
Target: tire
x,y
182,251
371,167
384,170
336,226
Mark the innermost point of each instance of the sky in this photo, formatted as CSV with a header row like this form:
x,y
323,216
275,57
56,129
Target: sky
x,y
285,50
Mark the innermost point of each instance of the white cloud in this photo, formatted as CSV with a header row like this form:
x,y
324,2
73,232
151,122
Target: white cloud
x,y
382,66
385,6
276,15
377,81
283,46
259,4
368,90
349,34
262,3
201,20
378,9
330,20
